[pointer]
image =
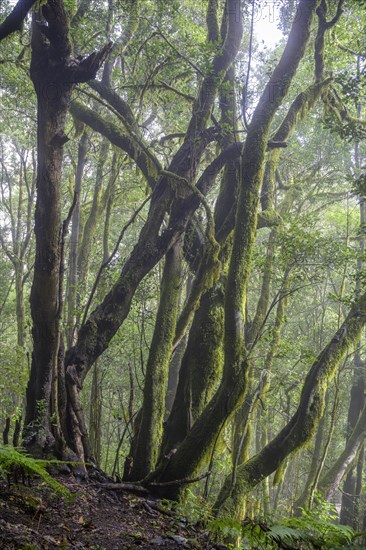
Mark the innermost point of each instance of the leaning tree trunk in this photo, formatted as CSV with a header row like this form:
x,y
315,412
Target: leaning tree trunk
x,y
331,480
302,425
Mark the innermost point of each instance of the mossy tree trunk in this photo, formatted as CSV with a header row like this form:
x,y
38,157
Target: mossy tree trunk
x,y
194,448
150,427
200,369
52,104
54,76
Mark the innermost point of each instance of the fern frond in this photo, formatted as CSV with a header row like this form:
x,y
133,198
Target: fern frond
x,y
17,461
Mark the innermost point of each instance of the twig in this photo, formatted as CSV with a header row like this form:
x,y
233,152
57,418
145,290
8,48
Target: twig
x,y
120,443
186,59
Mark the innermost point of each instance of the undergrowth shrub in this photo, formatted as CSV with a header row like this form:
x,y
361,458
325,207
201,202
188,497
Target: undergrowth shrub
x,y
313,530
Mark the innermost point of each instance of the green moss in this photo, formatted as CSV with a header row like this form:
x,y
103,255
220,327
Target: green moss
x,y
156,379
279,475
15,462
206,351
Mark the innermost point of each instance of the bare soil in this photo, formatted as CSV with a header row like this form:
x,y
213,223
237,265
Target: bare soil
x,y
97,518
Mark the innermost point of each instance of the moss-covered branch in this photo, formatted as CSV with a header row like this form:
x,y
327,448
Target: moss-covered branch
x,y
144,159
303,423
223,58
14,20
121,106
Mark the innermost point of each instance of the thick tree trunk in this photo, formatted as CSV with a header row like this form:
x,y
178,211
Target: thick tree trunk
x,y
53,77
52,105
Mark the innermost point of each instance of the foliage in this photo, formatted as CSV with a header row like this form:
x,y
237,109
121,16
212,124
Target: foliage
x,y
13,378
315,529
194,508
17,463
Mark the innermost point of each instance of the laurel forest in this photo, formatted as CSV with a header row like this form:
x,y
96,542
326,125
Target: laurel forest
x,y
182,251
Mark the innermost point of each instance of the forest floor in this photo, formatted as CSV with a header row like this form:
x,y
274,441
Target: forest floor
x,y
97,518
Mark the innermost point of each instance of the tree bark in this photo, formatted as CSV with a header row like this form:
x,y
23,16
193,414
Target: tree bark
x,y
52,105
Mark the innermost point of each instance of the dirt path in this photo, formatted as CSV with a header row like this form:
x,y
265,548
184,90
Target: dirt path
x,y
99,519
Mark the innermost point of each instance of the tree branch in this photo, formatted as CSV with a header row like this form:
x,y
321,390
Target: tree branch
x,y
15,19
147,163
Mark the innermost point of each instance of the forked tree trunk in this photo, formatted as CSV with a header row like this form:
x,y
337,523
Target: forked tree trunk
x,y
54,75
53,97
192,452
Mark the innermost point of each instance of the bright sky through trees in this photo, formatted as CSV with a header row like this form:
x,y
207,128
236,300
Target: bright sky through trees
x,y
266,19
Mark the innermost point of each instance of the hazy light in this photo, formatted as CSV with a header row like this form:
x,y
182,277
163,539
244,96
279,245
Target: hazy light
x,y
266,19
